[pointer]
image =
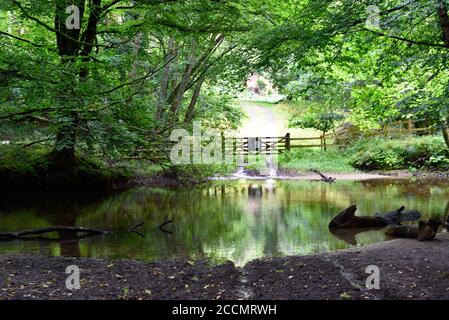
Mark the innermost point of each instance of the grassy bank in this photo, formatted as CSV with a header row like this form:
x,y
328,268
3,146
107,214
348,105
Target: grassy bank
x,y
428,153
302,160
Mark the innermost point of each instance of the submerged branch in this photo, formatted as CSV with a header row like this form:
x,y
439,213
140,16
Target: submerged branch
x,y
40,231
161,227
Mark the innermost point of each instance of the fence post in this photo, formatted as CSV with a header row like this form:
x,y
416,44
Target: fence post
x,y
287,142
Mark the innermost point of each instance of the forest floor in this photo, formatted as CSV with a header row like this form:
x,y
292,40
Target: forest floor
x,y
408,270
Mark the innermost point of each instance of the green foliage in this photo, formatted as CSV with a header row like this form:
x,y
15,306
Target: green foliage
x,y
126,78
160,65
379,154
315,115
218,110
324,51
261,85
319,121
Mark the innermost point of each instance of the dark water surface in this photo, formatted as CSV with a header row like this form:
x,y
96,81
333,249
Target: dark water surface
x,y
232,220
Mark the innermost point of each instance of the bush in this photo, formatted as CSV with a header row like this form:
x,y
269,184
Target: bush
x,y
419,152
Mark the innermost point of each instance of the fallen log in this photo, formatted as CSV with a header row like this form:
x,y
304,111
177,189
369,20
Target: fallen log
x,y
347,219
27,234
425,230
400,215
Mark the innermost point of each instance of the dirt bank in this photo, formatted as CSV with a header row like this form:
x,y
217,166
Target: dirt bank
x,y
408,270
291,175
341,176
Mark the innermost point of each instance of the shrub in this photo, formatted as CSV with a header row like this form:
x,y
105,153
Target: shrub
x,y
420,152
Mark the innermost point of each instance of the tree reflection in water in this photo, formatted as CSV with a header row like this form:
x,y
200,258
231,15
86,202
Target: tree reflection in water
x,y
231,220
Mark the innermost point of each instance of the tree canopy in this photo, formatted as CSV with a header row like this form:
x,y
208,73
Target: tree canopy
x,y
133,70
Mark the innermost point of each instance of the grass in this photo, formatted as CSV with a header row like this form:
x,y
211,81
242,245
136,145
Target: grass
x,y
302,160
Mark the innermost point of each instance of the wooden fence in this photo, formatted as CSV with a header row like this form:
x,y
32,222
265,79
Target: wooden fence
x,y
271,145
278,145
245,146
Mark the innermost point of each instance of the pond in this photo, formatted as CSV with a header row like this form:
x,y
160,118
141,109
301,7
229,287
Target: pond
x,y
237,220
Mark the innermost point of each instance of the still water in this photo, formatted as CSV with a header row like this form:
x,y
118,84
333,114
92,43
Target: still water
x,y
230,220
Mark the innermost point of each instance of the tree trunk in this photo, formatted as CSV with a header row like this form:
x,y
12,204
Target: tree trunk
x,y
181,88
324,141
444,22
162,99
63,156
196,93
72,44
445,130
136,44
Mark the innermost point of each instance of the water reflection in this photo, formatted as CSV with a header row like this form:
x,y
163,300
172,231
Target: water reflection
x,y
350,235
232,220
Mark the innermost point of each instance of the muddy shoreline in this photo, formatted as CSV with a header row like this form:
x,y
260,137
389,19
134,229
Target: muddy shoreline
x,y
408,270
369,175
161,181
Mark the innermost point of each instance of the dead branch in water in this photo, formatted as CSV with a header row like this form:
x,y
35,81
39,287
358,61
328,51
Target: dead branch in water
x,y
30,234
323,177
161,227
135,226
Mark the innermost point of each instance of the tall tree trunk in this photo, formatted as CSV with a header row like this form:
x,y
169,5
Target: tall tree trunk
x,y
181,88
444,21
196,93
71,45
445,130
162,99
136,44
444,25
63,155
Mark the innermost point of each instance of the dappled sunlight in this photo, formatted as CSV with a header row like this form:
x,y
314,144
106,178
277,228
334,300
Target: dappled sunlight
x,y
265,119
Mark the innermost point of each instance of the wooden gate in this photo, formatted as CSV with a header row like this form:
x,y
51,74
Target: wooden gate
x,y
255,145
271,145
